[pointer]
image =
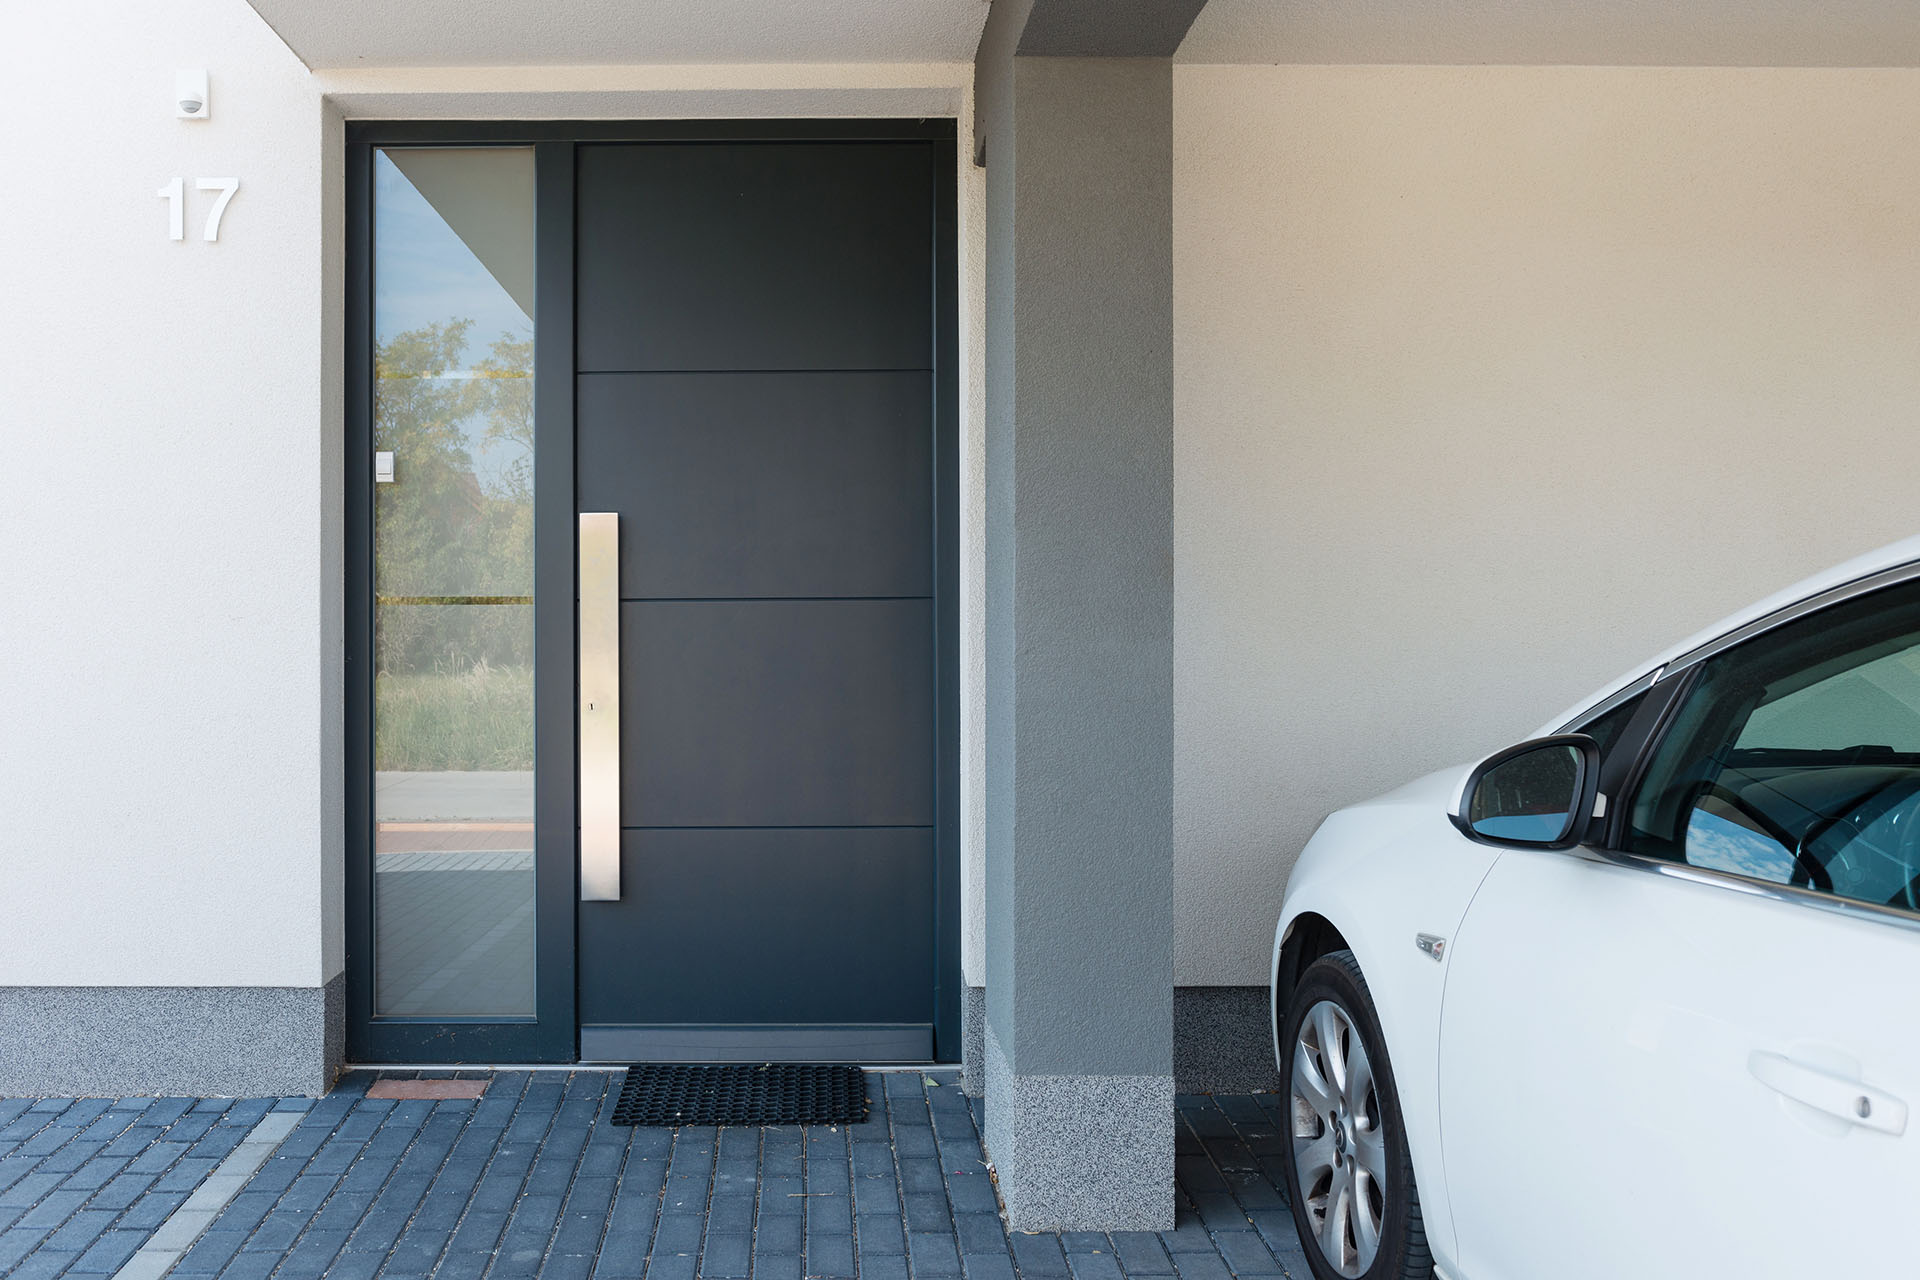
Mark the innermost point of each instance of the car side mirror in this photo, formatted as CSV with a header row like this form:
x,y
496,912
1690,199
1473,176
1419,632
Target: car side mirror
x,y
1537,795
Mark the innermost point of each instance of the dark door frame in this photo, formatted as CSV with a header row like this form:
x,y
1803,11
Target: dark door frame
x,y
552,1034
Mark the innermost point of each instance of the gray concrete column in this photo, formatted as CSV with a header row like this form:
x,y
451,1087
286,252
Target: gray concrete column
x,y
1079,786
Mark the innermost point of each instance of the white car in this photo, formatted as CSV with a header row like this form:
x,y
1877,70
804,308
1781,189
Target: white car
x,y
1639,997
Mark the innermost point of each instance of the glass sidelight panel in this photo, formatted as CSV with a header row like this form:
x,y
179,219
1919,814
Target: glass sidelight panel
x,y
453,434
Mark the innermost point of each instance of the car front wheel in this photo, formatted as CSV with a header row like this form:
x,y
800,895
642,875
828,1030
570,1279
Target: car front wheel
x,y
1349,1175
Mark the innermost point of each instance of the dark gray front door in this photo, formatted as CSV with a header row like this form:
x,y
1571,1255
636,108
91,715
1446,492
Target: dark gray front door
x,y
755,396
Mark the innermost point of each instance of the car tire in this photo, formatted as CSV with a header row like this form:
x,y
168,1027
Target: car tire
x,y
1349,1177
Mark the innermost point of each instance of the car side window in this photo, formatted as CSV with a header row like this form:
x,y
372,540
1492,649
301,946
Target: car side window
x,y
1795,758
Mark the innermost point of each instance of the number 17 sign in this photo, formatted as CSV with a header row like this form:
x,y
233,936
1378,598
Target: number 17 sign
x,y
175,194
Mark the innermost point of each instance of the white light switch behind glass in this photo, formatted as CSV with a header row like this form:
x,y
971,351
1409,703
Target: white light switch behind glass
x,y
383,468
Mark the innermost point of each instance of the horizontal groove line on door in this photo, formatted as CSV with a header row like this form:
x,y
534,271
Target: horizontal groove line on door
x,y
727,373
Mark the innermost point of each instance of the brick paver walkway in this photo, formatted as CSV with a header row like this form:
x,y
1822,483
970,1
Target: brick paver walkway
x,y
84,1182
533,1179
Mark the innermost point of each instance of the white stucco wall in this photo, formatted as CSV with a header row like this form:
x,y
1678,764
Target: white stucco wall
x,y
168,816
1489,382
170,541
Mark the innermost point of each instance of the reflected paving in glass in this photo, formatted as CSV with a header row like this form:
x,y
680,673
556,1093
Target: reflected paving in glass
x,y
453,582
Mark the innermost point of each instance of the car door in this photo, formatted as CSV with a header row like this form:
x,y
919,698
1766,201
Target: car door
x,y
1689,1048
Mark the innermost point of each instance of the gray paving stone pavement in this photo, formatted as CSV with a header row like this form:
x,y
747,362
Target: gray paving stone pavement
x,y
534,1179
84,1182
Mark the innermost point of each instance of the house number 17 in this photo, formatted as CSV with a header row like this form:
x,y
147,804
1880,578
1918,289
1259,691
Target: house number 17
x,y
175,194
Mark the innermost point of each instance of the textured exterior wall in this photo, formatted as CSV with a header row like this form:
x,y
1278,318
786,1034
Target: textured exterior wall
x,y
1489,382
1076,1051
171,420
1079,534
243,1042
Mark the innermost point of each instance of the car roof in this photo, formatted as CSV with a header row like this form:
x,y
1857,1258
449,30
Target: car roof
x,y
1905,551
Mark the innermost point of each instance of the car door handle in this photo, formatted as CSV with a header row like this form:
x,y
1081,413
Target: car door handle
x,y
1850,1100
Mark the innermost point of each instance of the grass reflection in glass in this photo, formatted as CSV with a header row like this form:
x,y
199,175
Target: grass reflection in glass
x,y
480,718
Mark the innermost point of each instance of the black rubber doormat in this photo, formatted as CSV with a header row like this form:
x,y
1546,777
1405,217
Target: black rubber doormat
x,y
668,1094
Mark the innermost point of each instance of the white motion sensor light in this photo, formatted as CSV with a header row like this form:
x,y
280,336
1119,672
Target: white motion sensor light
x,y
190,95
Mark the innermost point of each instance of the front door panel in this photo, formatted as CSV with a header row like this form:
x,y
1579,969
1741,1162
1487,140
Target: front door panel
x,y
777,713
762,485
755,256
755,400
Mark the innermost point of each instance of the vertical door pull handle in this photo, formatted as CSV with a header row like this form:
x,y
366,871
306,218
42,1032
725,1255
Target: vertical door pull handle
x,y
599,706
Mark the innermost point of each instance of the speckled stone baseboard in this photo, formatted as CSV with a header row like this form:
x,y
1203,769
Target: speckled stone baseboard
x,y
973,1043
1222,1040
1080,1153
247,1042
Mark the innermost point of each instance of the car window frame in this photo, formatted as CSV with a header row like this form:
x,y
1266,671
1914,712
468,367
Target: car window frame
x,y
1624,770
1620,762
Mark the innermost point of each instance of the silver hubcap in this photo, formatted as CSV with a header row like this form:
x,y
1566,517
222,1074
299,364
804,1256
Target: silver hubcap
x,y
1339,1142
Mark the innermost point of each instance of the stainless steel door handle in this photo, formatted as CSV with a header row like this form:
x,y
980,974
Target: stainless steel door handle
x,y
1856,1103
599,706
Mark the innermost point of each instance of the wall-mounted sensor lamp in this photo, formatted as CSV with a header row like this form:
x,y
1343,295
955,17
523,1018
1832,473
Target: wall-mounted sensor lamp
x,y
190,95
